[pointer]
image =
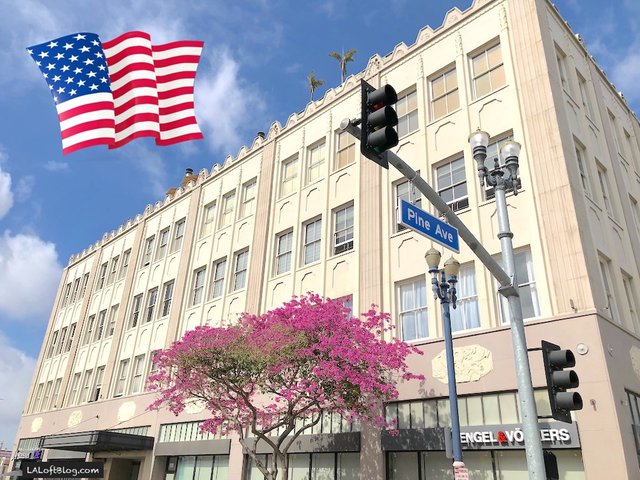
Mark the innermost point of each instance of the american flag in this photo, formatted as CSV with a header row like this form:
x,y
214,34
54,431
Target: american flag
x,y
110,93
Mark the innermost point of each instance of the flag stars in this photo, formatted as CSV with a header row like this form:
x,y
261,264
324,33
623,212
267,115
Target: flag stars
x,y
56,78
69,80
65,68
67,46
81,83
61,90
95,42
103,79
84,49
93,87
51,66
59,56
52,44
73,91
91,74
43,54
38,62
88,61
73,58
30,51
80,37
98,54
102,67
77,70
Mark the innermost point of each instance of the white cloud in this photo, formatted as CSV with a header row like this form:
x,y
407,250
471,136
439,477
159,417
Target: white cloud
x,y
54,166
625,76
29,275
6,196
24,187
224,103
16,372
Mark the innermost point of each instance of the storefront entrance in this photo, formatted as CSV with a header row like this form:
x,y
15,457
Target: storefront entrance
x,y
124,469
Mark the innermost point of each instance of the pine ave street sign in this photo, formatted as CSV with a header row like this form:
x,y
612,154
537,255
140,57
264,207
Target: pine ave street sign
x,y
429,226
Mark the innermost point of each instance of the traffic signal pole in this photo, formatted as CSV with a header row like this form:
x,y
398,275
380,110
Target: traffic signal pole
x,y
508,289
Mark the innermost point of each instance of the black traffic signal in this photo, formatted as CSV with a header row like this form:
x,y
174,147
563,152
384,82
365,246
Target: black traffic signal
x,y
559,381
378,119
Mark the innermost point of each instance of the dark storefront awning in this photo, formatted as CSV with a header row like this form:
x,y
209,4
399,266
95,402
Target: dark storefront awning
x,y
97,441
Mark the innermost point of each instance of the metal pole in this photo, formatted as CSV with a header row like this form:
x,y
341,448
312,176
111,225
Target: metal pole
x,y
451,369
528,411
508,289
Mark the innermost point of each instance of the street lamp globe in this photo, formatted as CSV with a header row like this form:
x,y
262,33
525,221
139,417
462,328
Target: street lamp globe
x,y
451,267
433,257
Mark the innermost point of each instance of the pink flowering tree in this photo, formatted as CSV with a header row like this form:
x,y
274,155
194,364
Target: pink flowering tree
x,y
269,377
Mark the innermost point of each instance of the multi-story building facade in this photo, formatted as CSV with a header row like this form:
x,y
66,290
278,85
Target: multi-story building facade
x,y
300,210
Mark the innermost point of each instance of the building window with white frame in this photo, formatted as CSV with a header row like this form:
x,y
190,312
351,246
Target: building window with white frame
x,y
86,386
584,95
412,308
198,285
526,288
605,190
178,234
167,296
102,276
97,385
113,270
102,318
63,339
241,262
487,71
72,332
407,110
343,229
138,372
66,296
284,247
315,161
289,176
124,265
52,344
452,184
346,149
466,315
217,280
312,241
135,311
163,242
629,291
444,93
612,306
152,299
88,332
112,320
561,60
582,168
249,191
76,290
75,386
405,190
47,395
148,249
208,217
56,392
121,378
228,206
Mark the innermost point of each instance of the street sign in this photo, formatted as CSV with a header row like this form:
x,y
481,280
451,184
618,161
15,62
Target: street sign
x,y
460,473
429,226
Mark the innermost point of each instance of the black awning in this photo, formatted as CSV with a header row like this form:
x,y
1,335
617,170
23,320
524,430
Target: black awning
x,y
97,441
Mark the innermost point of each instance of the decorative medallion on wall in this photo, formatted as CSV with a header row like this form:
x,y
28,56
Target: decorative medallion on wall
x,y
126,411
75,418
472,363
36,424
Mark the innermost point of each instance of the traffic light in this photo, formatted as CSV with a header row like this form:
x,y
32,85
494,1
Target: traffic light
x,y
378,119
560,380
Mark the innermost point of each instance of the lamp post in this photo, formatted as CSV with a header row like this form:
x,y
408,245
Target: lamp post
x,y
443,283
502,178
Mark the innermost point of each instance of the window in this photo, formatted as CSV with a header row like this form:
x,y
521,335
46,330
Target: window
x,y
56,392
152,299
148,249
289,176
67,294
208,219
86,385
487,71
526,288
561,58
135,311
167,297
101,276
102,317
444,94
315,161
97,385
584,95
604,187
75,385
217,280
178,235
52,345
346,153
248,198
630,148
240,269
347,301
113,270
343,229
580,157
198,285
407,110
47,395
85,282
612,306
412,301
153,366
284,243
121,379
466,315
627,282
634,406
138,370
163,241
37,399
76,290
312,241
61,343
635,210
125,263
72,332
88,333
112,320
405,190
228,204
452,184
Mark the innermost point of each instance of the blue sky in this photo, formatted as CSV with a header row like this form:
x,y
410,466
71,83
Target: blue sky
x,y
256,58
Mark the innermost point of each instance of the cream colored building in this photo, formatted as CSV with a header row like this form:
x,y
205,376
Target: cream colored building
x,y
300,210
